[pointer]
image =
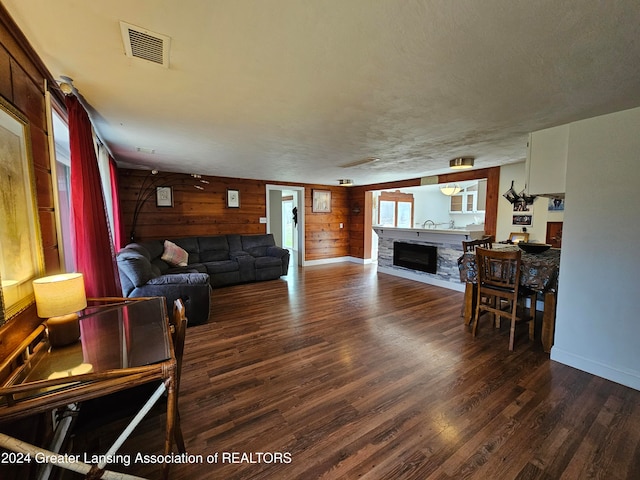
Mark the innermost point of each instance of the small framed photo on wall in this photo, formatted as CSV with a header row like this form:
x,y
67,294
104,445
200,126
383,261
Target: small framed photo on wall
x,y
321,201
233,198
164,197
556,205
523,220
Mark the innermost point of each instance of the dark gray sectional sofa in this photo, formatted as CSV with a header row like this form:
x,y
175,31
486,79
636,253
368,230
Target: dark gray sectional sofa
x,y
214,261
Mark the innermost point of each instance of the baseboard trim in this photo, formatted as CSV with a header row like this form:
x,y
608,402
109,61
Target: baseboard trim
x,y
325,261
458,287
629,378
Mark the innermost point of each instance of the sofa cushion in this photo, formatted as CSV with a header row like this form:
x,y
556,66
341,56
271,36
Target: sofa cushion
x,y
191,268
190,244
235,243
214,248
154,248
221,266
175,255
181,278
257,245
136,267
266,262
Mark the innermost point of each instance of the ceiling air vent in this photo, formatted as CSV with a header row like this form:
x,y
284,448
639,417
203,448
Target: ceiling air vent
x,y
144,44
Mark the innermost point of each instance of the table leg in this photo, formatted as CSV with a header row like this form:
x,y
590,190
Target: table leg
x,y
171,416
548,321
469,302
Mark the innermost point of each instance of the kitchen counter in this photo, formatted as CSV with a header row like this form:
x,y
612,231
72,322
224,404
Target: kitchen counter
x,y
463,233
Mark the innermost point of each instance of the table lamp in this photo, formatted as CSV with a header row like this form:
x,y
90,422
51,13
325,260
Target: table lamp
x,y
59,298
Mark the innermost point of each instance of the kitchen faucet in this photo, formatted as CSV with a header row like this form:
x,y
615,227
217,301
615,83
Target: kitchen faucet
x,y
429,222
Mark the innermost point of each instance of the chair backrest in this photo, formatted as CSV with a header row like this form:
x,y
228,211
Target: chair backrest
x,y
498,268
484,242
179,322
515,237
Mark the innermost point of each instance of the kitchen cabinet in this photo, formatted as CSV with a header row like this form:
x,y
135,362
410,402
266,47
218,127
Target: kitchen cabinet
x,y
546,164
471,199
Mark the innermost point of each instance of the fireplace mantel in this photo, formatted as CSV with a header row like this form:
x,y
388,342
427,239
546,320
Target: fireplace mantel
x,y
448,235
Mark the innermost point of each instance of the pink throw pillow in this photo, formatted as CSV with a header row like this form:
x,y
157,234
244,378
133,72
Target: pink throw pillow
x,y
174,255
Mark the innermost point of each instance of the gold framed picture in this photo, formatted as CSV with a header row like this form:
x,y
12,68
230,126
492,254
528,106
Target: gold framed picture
x,y
22,257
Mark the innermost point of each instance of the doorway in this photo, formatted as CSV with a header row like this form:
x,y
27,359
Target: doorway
x,y
287,228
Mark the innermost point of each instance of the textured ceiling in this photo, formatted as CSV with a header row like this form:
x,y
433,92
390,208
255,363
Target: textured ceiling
x,y
293,90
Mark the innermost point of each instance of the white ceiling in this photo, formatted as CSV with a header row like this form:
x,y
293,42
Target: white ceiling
x,y
293,90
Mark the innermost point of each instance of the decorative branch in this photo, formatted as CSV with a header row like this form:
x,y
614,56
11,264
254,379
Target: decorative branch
x,y
153,180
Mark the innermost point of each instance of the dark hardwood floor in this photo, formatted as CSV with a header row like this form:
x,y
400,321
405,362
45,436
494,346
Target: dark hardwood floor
x,y
354,374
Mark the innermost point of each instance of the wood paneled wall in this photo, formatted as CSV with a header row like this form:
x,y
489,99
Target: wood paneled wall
x,y
324,238
22,83
196,212
204,212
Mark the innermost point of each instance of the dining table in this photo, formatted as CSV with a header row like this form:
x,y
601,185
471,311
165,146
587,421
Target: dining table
x,y
538,272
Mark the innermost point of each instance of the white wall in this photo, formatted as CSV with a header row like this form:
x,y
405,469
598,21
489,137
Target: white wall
x,y
540,209
431,204
275,215
597,325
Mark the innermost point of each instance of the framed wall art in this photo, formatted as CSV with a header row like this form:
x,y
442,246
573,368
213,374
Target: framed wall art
x,y
556,205
321,201
164,197
233,198
522,220
20,244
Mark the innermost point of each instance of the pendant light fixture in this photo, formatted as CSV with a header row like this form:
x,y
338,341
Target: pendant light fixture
x,y
450,189
461,163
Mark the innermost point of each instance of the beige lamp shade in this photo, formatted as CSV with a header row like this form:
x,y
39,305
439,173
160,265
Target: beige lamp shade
x,y
59,294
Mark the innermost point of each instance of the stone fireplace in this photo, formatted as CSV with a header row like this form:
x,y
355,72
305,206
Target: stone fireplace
x,y
444,247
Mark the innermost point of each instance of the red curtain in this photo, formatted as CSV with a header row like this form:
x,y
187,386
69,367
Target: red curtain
x,y
93,248
118,234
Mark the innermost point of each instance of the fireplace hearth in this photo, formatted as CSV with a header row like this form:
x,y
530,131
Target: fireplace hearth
x,y
416,256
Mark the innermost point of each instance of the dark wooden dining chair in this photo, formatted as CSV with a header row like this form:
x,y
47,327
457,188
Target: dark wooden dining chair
x,y
95,416
484,242
498,274
470,289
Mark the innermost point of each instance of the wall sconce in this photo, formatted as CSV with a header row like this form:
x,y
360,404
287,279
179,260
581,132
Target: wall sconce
x,y
356,209
59,298
450,189
461,163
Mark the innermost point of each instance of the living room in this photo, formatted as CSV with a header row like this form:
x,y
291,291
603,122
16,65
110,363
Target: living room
x,y
596,330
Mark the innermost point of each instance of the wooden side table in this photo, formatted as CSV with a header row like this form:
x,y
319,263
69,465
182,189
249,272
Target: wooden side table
x,y
124,343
